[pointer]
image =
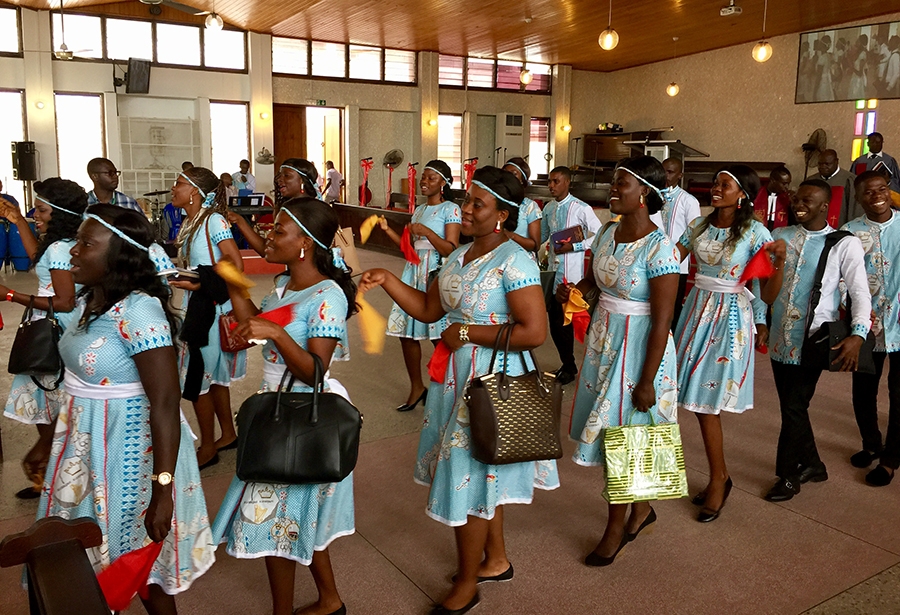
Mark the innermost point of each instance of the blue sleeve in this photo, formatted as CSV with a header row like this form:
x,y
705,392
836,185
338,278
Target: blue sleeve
x,y
759,236
531,210
662,258
545,227
451,214
58,256
142,324
687,238
328,314
760,308
160,259
520,271
219,229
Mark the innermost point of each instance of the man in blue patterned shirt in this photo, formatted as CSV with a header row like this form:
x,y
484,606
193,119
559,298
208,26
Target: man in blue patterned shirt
x,y
106,179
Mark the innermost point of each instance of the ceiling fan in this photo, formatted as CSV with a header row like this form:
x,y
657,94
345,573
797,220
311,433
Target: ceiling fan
x,y
64,53
174,5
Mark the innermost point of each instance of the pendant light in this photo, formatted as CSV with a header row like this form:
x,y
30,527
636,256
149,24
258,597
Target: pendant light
x,y
762,51
213,20
526,76
673,89
609,38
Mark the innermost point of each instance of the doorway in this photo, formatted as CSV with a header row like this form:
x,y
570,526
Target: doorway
x,y
313,133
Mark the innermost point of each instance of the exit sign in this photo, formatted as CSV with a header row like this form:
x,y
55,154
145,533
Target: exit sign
x,y
312,102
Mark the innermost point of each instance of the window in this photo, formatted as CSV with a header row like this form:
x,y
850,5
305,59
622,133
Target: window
x,y
864,124
541,77
82,35
177,44
128,39
508,75
328,59
399,66
9,30
224,49
539,146
480,73
450,70
450,144
365,62
289,56
79,134
11,129
229,135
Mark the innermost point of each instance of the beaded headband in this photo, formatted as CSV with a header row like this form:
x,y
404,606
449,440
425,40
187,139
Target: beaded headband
x,y
55,206
496,196
117,231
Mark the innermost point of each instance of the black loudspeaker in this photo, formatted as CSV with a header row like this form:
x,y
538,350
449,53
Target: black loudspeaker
x,y
23,160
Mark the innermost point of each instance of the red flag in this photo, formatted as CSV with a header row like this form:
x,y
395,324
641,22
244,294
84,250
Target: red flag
x,y
281,316
580,323
437,366
760,266
409,253
127,576
469,167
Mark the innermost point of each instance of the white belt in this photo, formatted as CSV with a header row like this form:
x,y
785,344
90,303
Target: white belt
x,y
715,285
615,305
77,387
274,372
423,244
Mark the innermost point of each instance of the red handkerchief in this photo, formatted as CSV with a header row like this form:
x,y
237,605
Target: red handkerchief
x,y
409,253
437,366
760,266
580,323
281,316
127,576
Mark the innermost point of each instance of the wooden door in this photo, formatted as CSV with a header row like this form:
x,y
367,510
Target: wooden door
x,y
289,124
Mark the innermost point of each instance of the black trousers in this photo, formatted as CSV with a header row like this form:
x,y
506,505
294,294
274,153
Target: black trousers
x,y
563,337
865,406
796,385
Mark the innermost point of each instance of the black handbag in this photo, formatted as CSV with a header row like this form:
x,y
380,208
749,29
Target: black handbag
x,y
514,418
817,348
297,438
35,351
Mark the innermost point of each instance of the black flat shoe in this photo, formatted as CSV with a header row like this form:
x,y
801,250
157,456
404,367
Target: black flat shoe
x,y
565,376
507,575
814,474
783,490
879,477
595,560
28,493
408,407
706,515
212,461
863,459
651,519
440,609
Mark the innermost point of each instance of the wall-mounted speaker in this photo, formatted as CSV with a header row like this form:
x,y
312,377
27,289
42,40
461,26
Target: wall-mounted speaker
x,y
23,160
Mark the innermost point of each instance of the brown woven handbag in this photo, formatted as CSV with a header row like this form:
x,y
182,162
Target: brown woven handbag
x,y
514,418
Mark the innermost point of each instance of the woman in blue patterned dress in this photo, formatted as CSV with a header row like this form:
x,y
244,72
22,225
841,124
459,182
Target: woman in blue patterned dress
x,y
434,228
57,215
528,230
482,285
295,523
203,239
715,336
629,362
122,454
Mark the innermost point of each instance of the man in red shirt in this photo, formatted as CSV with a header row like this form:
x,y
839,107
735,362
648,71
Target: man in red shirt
x,y
772,206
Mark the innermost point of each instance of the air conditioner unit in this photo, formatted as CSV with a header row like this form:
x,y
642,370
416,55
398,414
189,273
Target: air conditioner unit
x,y
512,135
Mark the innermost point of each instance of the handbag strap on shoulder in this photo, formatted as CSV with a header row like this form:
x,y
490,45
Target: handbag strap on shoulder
x,y
815,294
29,310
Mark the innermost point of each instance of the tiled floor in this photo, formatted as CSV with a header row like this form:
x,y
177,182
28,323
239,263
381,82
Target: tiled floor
x,y
834,549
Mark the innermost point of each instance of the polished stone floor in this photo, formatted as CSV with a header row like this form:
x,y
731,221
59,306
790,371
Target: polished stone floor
x,y
833,550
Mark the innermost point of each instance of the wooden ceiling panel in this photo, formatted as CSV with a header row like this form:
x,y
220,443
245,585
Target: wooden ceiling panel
x,y
551,31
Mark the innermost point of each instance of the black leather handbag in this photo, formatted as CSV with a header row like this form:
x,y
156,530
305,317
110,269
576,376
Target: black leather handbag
x,y
297,438
35,351
817,348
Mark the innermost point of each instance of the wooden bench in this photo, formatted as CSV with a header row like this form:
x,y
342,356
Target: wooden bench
x,y
61,580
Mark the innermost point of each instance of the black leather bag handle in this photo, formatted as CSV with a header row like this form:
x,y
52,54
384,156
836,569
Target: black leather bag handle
x,y
318,387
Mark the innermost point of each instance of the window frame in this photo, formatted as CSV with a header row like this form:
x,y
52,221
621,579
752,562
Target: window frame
x,y
246,105
102,100
494,88
348,79
20,43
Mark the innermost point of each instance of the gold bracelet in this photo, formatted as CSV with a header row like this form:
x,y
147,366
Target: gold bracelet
x,y
464,334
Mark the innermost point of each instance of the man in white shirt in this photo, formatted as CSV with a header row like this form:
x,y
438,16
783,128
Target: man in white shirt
x,y
679,210
796,375
243,179
333,182
564,212
842,190
892,74
869,161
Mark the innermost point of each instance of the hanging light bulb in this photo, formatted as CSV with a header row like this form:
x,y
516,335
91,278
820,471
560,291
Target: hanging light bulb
x,y
526,76
762,51
609,38
214,22
673,89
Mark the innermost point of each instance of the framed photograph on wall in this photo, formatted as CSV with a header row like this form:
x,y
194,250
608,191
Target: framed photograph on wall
x,y
849,64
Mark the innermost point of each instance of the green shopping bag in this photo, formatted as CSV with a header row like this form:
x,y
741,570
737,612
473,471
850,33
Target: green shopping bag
x,y
644,462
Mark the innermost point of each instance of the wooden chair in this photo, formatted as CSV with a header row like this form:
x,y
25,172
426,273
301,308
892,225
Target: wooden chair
x,y
61,580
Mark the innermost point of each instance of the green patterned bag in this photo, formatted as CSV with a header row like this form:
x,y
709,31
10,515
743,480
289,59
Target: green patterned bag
x,y
644,462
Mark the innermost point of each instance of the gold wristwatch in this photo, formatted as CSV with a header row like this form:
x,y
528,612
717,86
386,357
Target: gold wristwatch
x,y
163,478
464,334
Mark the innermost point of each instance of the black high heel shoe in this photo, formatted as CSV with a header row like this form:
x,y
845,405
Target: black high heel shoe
x,y
440,609
650,520
408,407
595,560
706,515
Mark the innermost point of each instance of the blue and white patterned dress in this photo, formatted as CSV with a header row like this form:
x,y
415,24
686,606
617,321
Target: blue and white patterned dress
x,y
474,293
102,455
292,521
435,217
28,403
219,367
716,334
528,213
616,344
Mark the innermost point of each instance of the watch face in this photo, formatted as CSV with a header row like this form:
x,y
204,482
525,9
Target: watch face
x,y
164,479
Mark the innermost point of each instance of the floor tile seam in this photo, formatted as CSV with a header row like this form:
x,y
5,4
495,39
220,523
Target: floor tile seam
x,y
841,531
849,589
362,535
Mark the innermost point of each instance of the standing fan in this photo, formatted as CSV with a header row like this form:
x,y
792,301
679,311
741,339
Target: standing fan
x,y
391,161
812,148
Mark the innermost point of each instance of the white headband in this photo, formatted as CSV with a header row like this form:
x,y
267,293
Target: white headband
x,y
55,206
449,182
736,180
496,196
643,181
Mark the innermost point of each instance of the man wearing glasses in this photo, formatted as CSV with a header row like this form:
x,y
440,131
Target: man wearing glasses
x,y
106,179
